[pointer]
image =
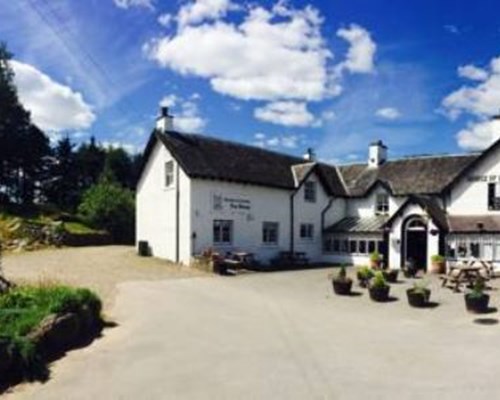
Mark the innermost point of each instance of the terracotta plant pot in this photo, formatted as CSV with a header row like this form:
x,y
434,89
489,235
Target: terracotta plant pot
x,y
418,299
342,287
477,304
375,264
379,294
438,267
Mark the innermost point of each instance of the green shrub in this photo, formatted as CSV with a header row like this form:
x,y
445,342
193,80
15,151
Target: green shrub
x,y
437,258
365,273
378,280
375,256
112,208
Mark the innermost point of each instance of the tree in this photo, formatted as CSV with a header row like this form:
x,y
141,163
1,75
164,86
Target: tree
x,y
23,147
109,206
120,163
63,189
90,161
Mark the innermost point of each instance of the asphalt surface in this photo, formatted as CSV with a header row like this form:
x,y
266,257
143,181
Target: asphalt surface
x,y
279,336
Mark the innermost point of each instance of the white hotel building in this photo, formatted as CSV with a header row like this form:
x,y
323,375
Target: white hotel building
x,y
198,192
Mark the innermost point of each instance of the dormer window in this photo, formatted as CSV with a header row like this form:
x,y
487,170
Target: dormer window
x,y
382,206
310,192
169,174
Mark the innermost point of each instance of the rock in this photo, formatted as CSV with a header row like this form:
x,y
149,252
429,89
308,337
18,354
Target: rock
x,y
56,333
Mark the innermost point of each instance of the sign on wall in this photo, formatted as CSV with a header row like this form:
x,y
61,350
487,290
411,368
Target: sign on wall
x,y
230,203
483,178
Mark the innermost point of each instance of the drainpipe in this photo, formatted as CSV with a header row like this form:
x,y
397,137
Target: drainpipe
x,y
292,221
177,217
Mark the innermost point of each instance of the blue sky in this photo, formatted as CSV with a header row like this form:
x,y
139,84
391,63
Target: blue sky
x,y
286,75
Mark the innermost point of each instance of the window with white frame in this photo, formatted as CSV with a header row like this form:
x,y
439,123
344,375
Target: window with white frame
x,y
307,231
382,206
465,246
493,197
169,173
270,233
223,231
310,192
352,245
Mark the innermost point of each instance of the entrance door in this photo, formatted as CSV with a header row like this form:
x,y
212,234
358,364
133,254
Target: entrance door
x,y
415,234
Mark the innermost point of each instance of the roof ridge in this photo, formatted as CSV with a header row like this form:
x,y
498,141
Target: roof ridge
x,y
235,143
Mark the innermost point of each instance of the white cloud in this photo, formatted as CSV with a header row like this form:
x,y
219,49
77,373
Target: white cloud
x,y
125,4
453,29
53,106
283,141
169,100
165,20
201,10
479,135
361,54
288,113
277,55
472,72
389,113
187,117
482,99
268,56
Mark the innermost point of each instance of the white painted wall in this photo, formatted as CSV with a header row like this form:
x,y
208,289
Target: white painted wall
x,y
156,208
266,204
471,197
366,206
306,212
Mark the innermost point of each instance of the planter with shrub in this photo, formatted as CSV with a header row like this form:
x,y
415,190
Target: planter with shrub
x,y
476,301
379,288
438,264
364,275
342,284
375,260
391,275
418,295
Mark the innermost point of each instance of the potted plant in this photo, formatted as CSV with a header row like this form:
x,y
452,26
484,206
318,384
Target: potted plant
x,y
391,275
379,288
438,264
364,275
476,300
375,260
418,295
342,284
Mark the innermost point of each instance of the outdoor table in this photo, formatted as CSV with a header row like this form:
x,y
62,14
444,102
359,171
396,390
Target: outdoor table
x,y
467,273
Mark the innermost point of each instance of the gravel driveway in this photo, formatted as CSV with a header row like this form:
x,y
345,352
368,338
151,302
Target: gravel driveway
x,y
98,268
279,336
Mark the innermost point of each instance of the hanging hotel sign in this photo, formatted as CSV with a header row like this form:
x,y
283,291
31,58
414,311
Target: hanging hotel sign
x,y
483,178
222,202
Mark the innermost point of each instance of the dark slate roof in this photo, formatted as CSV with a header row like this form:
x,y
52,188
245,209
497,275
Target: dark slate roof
x,y
471,223
211,158
359,225
422,175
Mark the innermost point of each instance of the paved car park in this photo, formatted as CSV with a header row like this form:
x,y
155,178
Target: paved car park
x,y
279,335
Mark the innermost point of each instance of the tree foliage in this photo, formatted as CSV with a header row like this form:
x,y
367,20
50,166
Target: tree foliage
x,y
109,206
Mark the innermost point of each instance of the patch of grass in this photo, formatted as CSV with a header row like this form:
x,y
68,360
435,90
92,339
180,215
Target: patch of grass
x,y
23,308
77,228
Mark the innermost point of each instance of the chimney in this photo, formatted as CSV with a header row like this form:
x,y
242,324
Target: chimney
x,y
377,154
310,155
165,122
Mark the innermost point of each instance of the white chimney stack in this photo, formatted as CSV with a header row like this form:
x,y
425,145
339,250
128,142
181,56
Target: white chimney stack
x,y
310,155
165,122
377,154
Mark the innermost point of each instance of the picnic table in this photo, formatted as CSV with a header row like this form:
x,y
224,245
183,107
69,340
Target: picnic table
x,y
466,273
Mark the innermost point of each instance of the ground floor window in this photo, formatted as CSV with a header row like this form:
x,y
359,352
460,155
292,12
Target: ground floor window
x,y
307,231
223,231
353,245
270,233
485,247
